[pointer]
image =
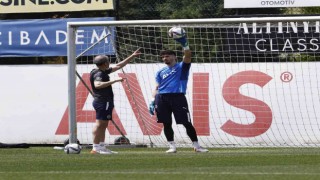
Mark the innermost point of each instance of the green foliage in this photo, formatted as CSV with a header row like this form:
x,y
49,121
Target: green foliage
x,y
302,10
298,57
137,9
172,9
311,10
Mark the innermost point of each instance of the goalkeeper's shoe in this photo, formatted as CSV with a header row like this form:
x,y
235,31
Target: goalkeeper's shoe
x,y
200,150
171,150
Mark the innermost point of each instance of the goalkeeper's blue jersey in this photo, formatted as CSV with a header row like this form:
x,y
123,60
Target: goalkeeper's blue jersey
x,y
173,79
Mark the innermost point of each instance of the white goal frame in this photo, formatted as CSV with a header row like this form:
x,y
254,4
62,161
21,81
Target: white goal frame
x,y
72,57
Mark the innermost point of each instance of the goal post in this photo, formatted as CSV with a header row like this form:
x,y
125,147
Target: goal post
x,y
71,53
253,81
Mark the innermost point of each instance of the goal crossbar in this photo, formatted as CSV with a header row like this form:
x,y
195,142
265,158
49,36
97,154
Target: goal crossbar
x,y
193,21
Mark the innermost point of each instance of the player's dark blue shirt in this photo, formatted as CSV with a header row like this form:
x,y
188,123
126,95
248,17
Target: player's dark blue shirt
x,y
103,76
173,79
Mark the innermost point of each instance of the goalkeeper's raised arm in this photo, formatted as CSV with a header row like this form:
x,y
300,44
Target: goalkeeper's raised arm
x,y
187,56
185,45
179,35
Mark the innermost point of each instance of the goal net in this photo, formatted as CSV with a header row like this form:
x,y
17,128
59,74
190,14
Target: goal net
x,y
253,81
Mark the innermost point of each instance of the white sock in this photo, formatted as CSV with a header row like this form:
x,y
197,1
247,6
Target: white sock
x,y
95,147
172,144
102,146
195,144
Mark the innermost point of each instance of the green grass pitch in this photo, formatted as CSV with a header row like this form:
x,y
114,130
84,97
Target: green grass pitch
x,y
154,163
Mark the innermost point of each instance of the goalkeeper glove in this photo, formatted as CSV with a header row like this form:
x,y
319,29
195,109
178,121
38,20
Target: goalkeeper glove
x,y
151,107
183,41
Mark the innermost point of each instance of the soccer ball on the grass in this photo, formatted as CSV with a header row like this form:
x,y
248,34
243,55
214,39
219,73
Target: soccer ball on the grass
x,y
176,32
66,142
72,149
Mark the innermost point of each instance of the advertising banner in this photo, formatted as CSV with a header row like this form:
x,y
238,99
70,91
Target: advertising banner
x,y
270,3
48,37
271,38
32,6
245,104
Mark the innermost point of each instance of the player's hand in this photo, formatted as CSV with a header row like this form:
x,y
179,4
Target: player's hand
x,y
151,108
137,52
183,41
119,79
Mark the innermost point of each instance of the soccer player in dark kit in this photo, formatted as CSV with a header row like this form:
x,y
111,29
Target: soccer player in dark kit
x,y
103,102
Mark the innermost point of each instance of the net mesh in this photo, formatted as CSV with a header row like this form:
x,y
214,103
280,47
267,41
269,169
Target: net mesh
x,y
250,84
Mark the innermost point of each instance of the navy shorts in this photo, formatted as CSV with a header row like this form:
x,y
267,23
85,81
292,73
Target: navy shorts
x,y
103,109
176,103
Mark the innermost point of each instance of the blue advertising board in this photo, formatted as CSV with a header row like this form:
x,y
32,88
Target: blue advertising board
x,y
48,37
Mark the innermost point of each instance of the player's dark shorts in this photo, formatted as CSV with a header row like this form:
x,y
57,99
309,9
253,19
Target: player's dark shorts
x,y
103,109
176,103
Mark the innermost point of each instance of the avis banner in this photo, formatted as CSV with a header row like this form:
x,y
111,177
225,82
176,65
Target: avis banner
x,y
48,37
231,104
31,6
270,3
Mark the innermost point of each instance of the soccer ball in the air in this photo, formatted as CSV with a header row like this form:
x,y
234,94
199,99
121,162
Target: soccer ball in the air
x,y
176,32
72,149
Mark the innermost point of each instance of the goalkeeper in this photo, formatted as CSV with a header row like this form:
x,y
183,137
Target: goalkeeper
x,y
169,96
